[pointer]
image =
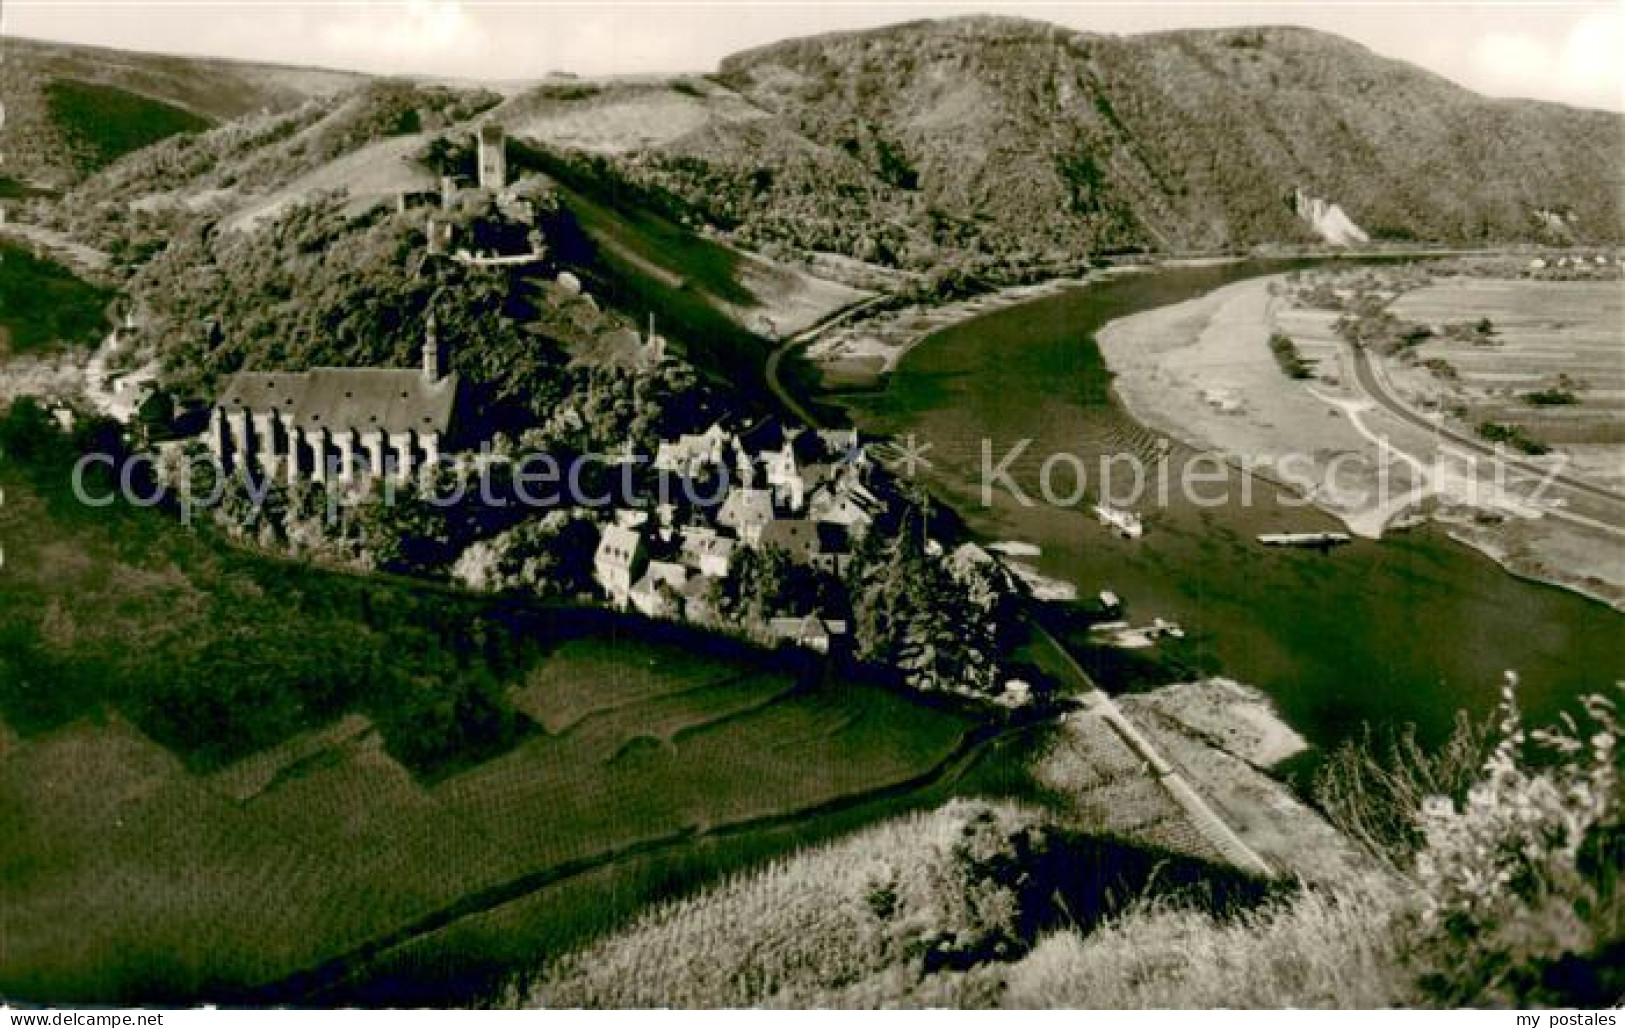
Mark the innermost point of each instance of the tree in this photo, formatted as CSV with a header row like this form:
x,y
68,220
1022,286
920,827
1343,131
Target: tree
x,y
765,583
155,417
402,531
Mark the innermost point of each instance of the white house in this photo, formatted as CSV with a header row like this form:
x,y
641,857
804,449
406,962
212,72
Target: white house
x,y
707,552
618,562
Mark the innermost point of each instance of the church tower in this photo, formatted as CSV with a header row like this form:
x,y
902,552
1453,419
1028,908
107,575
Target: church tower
x,y
431,352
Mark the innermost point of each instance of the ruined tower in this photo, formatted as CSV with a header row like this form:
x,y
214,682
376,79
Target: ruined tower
x,y
493,158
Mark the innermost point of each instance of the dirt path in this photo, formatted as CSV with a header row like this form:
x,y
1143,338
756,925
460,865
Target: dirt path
x,y
1212,828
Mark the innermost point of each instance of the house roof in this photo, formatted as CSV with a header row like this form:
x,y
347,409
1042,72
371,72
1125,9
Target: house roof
x,y
364,399
697,586
662,572
839,441
747,506
689,448
617,545
809,626
696,546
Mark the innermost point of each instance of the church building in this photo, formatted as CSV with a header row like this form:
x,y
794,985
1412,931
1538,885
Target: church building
x,y
344,423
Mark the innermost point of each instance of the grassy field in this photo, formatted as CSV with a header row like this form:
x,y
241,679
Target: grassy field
x,y
103,123
41,303
289,815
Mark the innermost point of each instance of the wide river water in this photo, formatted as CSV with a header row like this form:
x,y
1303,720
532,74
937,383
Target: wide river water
x,y
1408,629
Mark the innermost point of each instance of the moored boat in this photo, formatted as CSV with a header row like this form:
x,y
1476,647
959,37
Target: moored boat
x,y
1308,539
1124,522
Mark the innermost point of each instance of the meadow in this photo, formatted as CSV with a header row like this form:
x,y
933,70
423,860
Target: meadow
x,y
103,123
224,776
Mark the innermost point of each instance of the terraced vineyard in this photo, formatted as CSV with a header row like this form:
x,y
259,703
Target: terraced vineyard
x,y
136,872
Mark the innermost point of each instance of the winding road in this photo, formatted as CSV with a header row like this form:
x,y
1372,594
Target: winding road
x,y
1608,505
802,338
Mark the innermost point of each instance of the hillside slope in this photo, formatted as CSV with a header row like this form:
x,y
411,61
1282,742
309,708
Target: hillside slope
x,y
72,109
1006,137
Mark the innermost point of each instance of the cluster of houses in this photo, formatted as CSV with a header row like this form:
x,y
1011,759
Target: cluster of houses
x,y
1600,260
803,491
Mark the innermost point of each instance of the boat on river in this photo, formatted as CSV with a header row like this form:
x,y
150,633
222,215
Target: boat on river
x,y
1125,523
1136,637
1311,540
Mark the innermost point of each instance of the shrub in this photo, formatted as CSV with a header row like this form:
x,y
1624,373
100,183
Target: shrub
x,y
1372,788
1287,356
1513,436
1442,368
1520,879
1556,397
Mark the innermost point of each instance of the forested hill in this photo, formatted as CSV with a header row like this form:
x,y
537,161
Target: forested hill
x,y
72,109
1004,135
981,139
986,146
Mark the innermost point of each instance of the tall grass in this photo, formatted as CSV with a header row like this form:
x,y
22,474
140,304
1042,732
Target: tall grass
x,y
1494,883
1319,948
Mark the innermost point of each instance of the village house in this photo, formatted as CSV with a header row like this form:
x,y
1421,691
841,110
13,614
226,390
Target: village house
x,y
694,456
619,562
707,551
844,501
789,468
699,599
659,592
343,423
818,544
812,632
747,512
803,492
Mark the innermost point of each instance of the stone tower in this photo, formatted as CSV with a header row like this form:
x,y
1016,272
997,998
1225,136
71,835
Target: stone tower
x,y
493,158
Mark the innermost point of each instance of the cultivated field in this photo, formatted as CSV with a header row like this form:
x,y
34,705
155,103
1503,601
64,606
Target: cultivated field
x,y
1547,336
128,876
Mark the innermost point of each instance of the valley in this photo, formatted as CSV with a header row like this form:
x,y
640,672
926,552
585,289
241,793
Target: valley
x,y
920,708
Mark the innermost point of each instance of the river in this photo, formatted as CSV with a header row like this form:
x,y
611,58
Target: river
x,y
1406,630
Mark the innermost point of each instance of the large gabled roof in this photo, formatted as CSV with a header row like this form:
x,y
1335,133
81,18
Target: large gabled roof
x,y
364,399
